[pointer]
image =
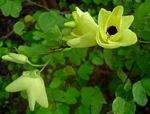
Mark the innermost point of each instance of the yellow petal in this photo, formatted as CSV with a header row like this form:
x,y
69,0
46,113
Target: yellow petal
x,y
40,92
20,58
105,44
103,16
86,40
115,18
8,58
17,58
19,84
31,98
128,38
87,23
71,24
102,19
116,36
126,22
37,93
77,14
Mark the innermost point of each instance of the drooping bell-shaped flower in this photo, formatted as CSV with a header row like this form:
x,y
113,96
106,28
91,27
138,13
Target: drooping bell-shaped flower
x,y
113,31
16,58
84,32
33,85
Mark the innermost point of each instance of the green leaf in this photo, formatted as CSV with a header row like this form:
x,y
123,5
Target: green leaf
x,y
59,57
69,70
34,50
86,95
116,2
92,97
19,27
71,95
87,1
121,92
43,111
120,106
96,57
63,108
128,64
3,51
143,61
37,14
55,94
97,60
112,60
61,74
141,21
56,82
139,94
122,75
37,35
128,85
28,36
146,84
51,38
97,101
4,95
9,43
1,43
2,2
97,2
48,20
85,70
130,107
82,110
11,7
76,55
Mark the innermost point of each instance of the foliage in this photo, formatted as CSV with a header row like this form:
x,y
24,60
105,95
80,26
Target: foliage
x,y
77,80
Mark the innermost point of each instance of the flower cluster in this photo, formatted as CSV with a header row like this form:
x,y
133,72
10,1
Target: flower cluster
x,y
112,30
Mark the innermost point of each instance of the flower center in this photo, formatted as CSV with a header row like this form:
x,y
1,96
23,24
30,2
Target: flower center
x,y
112,30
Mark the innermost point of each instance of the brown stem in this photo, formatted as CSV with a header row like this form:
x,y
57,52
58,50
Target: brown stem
x,y
38,5
144,42
7,35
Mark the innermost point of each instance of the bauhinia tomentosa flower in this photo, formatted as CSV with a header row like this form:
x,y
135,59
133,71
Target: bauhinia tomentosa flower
x,y
84,32
113,30
16,58
33,85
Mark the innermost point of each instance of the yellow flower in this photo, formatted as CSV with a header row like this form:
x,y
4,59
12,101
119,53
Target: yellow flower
x,y
84,32
33,85
113,30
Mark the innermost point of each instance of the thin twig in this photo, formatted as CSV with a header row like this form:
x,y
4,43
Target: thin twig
x,y
144,42
36,4
45,65
7,35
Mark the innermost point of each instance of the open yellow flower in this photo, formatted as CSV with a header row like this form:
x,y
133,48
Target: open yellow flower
x,y
113,30
33,85
84,32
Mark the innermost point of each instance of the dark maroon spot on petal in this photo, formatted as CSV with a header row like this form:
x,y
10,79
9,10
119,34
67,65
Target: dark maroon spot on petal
x,y
112,30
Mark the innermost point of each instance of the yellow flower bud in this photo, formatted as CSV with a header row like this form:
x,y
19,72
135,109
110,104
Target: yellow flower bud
x,y
84,32
28,18
17,58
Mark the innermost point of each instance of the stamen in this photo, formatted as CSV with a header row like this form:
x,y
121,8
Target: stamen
x,y
112,30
